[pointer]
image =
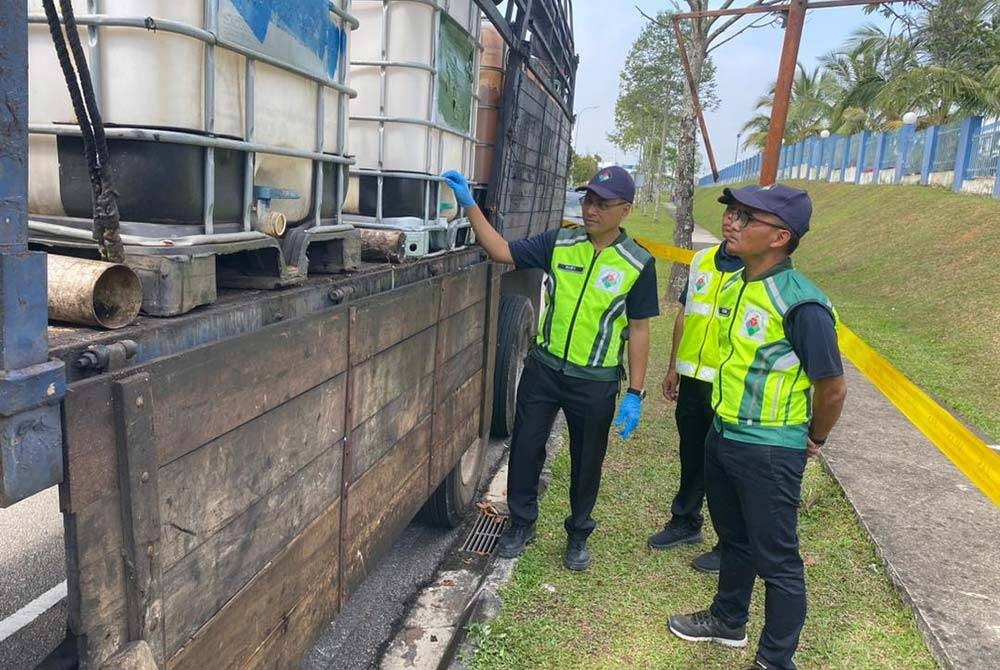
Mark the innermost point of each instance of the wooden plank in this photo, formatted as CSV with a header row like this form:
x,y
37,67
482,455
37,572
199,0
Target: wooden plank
x,y
207,488
269,604
456,371
91,468
203,581
379,380
461,329
140,509
456,416
214,389
462,289
383,501
95,577
372,439
380,322
201,394
494,274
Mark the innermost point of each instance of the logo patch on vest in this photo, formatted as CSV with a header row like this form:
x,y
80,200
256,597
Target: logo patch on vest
x,y
570,268
610,279
755,324
701,283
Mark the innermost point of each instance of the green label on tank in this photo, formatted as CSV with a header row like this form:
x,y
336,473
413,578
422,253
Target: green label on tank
x,y
455,82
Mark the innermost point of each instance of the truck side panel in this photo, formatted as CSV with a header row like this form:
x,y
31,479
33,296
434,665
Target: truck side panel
x,y
288,459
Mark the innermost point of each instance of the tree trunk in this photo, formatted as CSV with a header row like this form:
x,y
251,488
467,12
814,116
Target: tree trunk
x,y
684,183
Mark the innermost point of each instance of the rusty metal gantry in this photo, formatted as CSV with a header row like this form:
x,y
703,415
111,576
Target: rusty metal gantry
x,y
795,15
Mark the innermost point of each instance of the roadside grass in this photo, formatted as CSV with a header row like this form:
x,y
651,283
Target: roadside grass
x,y
614,615
913,272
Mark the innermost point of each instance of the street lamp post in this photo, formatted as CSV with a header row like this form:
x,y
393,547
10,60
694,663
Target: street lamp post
x,y
576,130
736,156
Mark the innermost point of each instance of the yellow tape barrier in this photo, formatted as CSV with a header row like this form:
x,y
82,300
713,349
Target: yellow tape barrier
x,y
962,447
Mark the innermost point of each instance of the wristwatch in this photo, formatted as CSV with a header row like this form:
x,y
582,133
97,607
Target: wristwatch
x,y
817,441
639,392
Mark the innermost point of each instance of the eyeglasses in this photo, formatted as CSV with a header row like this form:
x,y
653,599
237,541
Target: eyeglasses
x,y
743,217
602,205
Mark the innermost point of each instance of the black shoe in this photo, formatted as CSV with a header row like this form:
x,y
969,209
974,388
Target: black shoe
x,y
674,534
708,562
577,555
706,627
514,539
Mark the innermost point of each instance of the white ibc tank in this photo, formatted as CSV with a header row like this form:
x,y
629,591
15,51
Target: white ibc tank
x,y
415,65
256,89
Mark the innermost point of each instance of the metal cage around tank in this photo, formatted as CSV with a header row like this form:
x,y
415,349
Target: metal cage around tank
x,y
211,232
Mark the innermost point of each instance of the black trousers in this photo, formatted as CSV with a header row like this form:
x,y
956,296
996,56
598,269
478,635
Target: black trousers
x,y
694,420
589,408
753,494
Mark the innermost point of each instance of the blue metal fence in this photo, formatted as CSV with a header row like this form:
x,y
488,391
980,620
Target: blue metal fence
x,y
963,156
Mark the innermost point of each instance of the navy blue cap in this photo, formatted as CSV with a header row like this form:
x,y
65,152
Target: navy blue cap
x,y
791,205
612,182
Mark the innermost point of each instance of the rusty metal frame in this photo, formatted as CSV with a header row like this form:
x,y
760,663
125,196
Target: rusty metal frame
x,y
794,11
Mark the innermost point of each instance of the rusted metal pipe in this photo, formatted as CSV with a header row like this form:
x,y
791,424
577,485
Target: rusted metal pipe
x,y
794,21
693,88
767,9
92,293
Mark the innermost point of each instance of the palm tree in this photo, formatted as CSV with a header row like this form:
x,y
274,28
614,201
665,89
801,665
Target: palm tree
x,y
809,109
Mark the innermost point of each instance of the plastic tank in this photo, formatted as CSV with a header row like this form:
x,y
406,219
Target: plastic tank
x,y
203,101
415,66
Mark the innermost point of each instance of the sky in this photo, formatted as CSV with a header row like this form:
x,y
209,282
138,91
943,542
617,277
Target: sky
x,y
745,67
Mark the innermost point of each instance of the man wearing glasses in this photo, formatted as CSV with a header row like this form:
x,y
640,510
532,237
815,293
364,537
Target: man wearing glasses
x,y
600,294
694,357
778,392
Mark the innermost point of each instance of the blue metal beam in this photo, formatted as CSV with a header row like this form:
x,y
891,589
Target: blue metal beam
x,y
31,385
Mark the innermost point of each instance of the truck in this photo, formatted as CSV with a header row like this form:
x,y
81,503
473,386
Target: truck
x,y
228,476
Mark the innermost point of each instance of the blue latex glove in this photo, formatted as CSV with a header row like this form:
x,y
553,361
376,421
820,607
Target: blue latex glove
x,y
628,414
461,188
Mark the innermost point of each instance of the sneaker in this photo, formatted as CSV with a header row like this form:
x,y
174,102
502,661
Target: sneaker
x,y
674,534
706,627
577,555
708,562
514,539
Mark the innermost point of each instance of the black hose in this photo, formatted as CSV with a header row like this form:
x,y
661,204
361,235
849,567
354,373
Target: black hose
x,y
95,145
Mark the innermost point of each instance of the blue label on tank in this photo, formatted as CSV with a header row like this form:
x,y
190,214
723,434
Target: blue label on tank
x,y
308,21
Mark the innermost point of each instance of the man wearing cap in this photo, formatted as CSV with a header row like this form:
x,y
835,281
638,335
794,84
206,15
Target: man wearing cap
x,y
600,294
694,357
778,392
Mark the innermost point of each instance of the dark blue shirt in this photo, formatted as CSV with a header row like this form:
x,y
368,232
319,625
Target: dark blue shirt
x,y
642,301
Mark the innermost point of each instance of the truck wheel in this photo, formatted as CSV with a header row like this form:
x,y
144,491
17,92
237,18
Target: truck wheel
x,y
452,500
514,332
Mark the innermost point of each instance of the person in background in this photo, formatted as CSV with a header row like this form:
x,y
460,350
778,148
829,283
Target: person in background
x,y
778,392
694,357
600,295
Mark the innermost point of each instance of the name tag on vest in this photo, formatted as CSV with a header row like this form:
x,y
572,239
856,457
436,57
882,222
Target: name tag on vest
x,y
570,268
724,311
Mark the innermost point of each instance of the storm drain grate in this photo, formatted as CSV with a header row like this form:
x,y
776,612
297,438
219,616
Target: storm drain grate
x,y
483,538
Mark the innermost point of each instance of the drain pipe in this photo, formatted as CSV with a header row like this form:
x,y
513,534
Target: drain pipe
x,y
31,385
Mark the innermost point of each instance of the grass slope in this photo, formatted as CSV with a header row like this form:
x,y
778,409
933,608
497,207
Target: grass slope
x,y
614,616
913,272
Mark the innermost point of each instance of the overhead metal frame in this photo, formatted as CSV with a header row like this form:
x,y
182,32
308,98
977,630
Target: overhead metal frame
x,y
794,13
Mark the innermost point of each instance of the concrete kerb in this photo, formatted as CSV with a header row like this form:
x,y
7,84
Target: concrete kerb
x,y
435,632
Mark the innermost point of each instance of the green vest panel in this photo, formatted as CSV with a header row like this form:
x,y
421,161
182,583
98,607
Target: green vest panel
x,y
762,394
698,352
585,322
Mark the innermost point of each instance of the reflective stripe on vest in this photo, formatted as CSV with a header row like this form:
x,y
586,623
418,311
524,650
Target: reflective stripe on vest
x,y
585,321
762,390
698,352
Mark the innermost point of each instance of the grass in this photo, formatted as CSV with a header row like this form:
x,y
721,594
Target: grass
x,y
614,615
912,271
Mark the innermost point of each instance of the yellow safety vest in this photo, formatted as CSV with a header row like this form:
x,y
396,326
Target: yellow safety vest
x,y
698,352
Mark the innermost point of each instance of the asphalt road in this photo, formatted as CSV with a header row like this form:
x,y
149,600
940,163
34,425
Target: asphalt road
x,y
32,561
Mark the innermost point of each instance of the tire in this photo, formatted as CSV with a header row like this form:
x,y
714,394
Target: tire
x,y
452,501
514,332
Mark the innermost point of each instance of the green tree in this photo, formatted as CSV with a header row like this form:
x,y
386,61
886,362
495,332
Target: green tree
x,y
583,167
651,92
